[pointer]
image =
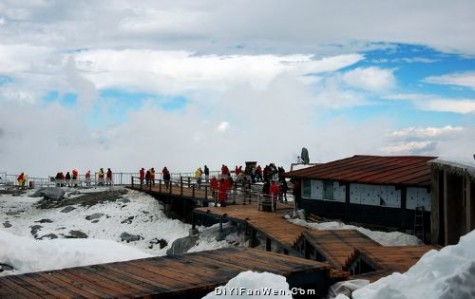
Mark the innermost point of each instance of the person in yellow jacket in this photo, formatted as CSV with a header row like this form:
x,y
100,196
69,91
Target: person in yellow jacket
x,y
198,174
100,175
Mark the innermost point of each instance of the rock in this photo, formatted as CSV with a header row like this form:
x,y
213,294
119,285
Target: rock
x,y
162,242
7,224
5,267
52,193
95,221
129,237
128,220
182,245
76,234
94,216
35,229
45,221
48,236
123,200
67,209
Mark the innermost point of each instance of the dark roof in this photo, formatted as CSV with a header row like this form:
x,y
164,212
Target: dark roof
x,y
387,170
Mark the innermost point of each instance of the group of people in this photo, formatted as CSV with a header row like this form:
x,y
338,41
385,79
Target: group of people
x,y
149,176
72,179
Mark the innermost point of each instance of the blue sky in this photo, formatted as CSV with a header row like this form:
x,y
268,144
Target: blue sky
x,y
121,85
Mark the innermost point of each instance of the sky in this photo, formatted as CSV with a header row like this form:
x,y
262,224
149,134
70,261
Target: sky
x,y
130,84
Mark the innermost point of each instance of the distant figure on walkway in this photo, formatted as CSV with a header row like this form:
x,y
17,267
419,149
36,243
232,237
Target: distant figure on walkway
x,y
87,177
223,192
68,179
21,179
198,174
152,175
214,185
166,177
59,179
100,180
206,172
109,177
274,192
142,176
75,177
283,190
147,177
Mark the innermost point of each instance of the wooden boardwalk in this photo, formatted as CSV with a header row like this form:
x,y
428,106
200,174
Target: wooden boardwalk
x,y
357,254
273,225
182,276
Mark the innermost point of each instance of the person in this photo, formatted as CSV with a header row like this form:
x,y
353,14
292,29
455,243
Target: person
x,y
75,177
296,192
101,177
87,177
198,174
283,190
166,177
21,179
142,176
206,171
274,192
109,176
214,184
223,192
59,179
152,175
147,177
68,179
259,173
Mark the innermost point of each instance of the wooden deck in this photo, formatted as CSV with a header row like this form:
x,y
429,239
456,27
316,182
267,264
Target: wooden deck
x,y
348,249
271,224
181,276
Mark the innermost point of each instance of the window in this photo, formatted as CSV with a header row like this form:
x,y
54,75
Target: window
x,y
306,189
328,190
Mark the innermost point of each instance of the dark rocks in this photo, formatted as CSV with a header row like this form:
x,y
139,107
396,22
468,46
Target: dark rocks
x,y
68,209
123,200
35,229
128,220
161,242
50,193
7,224
48,236
94,216
45,221
182,245
6,267
129,237
76,234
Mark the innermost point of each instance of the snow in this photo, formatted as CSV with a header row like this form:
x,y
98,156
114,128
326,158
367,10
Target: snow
x,y
383,238
136,213
448,273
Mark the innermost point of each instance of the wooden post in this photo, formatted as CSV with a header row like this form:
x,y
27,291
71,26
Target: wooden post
x,y
268,244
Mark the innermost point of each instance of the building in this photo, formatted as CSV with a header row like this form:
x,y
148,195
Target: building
x,y
453,201
387,191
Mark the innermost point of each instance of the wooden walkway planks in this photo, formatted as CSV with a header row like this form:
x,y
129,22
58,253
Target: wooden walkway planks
x,y
191,275
271,224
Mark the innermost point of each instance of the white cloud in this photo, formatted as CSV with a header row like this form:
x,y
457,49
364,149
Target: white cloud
x,y
429,132
435,103
222,127
370,78
460,79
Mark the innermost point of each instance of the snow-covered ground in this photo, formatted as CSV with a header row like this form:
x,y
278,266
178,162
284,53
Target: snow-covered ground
x,y
34,239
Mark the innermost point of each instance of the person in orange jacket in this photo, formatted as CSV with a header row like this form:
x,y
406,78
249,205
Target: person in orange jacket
x,y
213,185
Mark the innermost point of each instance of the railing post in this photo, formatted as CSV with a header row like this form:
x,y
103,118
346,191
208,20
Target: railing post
x,y
181,186
160,186
132,182
189,182
193,191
